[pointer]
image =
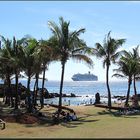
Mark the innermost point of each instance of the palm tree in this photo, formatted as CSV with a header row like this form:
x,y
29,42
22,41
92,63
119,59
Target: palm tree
x,y
109,53
47,57
16,63
13,56
37,65
136,58
43,56
7,70
126,70
28,60
67,45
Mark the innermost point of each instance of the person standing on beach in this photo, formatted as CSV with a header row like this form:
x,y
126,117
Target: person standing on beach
x,y
90,101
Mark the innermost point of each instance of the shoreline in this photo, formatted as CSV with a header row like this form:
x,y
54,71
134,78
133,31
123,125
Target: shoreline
x,y
77,101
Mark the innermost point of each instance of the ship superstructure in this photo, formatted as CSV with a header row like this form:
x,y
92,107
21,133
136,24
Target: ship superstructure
x,y
84,77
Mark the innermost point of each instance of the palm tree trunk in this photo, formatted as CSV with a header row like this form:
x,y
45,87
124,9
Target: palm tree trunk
x,y
10,94
8,90
16,75
43,82
11,102
135,90
28,95
36,89
35,85
108,88
34,93
61,86
16,99
128,91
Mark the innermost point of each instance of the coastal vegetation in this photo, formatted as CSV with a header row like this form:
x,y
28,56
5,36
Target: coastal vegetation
x,y
32,57
28,57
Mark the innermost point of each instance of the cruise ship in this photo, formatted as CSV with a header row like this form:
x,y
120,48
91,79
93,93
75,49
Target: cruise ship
x,y
84,77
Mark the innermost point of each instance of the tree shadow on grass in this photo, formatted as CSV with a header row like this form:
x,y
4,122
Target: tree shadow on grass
x,y
48,121
80,121
107,112
90,115
117,114
76,123
72,124
42,121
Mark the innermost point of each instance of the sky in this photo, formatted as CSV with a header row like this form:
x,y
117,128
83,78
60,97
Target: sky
x,y
20,18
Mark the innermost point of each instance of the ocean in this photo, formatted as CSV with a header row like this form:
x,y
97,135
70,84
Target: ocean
x,y
85,89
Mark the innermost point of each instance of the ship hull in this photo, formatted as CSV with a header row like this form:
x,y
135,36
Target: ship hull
x,y
84,77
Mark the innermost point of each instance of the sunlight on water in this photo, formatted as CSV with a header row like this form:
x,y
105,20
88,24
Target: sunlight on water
x,y
86,90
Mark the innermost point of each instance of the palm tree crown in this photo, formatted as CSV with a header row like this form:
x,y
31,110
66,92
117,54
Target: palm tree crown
x,y
67,44
109,50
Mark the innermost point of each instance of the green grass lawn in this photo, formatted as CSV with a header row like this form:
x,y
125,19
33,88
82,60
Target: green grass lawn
x,y
93,123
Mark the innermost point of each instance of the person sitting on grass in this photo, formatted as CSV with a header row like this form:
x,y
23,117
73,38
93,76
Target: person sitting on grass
x,y
67,117
70,117
74,117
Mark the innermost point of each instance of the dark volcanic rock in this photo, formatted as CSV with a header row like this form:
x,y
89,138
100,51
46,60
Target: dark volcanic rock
x,y
52,95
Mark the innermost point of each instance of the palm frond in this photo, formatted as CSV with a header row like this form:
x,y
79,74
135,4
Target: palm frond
x,y
74,40
99,50
104,63
77,33
126,54
3,39
83,58
55,29
119,75
115,57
